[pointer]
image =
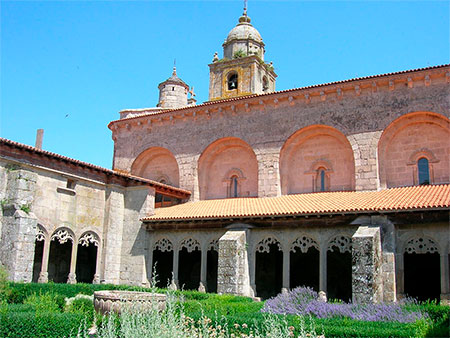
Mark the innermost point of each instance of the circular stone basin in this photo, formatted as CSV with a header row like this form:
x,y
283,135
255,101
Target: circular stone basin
x,y
115,300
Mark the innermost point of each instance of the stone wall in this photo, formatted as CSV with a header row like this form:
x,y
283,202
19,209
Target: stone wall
x,y
39,201
360,111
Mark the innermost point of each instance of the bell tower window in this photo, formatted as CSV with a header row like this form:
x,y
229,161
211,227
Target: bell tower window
x,y
423,171
265,83
232,81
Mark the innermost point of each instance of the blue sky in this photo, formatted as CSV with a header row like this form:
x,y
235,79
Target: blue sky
x,y
70,67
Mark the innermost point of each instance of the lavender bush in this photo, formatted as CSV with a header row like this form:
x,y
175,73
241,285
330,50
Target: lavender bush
x,y
303,301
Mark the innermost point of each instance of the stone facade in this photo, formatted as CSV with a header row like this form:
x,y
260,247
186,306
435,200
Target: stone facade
x,y
373,133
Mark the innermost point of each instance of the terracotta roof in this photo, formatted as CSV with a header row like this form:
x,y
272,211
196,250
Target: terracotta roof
x,y
395,199
157,185
209,103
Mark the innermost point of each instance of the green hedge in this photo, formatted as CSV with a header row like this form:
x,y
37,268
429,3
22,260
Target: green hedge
x,y
36,325
20,291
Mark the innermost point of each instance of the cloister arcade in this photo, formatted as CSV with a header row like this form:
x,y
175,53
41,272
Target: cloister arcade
x,y
64,257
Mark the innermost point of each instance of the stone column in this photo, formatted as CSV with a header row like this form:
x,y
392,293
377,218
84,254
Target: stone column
x,y
268,172
114,217
445,295
252,271
19,224
43,275
203,267
286,272
233,270
367,284
323,268
176,255
365,152
98,263
189,174
72,279
399,274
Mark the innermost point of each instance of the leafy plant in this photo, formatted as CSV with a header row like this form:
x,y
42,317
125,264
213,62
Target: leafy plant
x,y
45,302
26,208
239,54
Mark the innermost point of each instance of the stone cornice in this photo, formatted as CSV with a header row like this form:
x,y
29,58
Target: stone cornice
x,y
306,95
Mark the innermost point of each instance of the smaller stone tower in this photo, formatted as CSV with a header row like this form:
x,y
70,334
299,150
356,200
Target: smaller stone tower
x,y
173,93
242,71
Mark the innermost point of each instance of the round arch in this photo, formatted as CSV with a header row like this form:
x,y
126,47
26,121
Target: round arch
x,y
158,164
409,138
315,148
225,157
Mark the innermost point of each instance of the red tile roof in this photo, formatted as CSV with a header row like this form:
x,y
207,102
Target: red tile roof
x,y
395,199
159,186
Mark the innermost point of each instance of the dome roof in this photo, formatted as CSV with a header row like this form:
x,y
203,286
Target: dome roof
x,y
174,79
243,31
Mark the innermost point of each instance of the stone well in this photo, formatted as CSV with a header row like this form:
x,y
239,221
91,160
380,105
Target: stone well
x,y
115,300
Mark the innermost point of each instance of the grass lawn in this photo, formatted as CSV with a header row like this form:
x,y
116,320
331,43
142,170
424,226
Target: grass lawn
x,y
39,310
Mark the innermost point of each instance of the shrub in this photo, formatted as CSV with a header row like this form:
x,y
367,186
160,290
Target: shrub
x,y
47,302
83,306
5,290
303,301
40,325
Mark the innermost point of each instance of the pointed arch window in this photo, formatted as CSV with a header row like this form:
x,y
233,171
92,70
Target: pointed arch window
x,y
423,170
232,81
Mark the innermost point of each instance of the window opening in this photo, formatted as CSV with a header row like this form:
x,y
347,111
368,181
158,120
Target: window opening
x,y
424,171
322,180
265,83
232,81
234,186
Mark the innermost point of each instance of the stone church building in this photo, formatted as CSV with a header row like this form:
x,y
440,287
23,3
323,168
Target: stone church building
x,y
343,187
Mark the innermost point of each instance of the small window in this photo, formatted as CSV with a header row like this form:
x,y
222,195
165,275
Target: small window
x,y
173,88
234,187
265,83
423,171
232,81
321,180
70,184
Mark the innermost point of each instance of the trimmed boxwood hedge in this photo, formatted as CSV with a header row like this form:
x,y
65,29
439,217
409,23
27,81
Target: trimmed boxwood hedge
x,y
45,325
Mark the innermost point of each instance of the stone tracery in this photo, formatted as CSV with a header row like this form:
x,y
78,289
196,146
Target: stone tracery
x,y
264,245
214,245
87,238
343,243
62,236
163,245
40,235
303,243
421,245
190,244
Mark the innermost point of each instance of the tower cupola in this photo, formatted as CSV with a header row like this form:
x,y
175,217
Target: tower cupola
x,y
242,71
244,39
173,93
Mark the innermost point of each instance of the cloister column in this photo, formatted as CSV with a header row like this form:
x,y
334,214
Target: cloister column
x,y
286,265
400,275
445,293
98,264
323,268
174,284
203,267
73,264
43,275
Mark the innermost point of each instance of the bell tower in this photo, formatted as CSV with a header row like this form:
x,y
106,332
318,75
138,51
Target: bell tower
x,y
242,71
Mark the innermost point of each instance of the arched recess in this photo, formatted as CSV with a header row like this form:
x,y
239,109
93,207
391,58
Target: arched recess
x,y
189,264
304,263
339,268
268,267
163,262
158,164
422,275
41,237
60,255
312,151
408,139
228,168
87,255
